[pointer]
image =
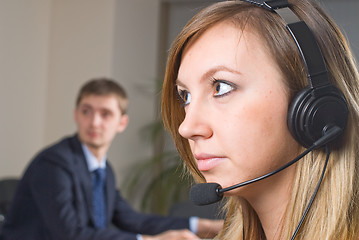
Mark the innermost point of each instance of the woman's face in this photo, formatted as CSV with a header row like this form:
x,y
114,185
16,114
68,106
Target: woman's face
x,y
236,109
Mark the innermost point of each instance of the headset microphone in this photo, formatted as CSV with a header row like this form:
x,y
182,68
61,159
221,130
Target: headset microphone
x,y
208,193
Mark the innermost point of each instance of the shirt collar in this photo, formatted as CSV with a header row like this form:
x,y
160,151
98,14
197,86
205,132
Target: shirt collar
x,y
91,160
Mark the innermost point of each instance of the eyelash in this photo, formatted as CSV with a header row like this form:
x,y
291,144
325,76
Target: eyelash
x,y
180,96
217,81
181,92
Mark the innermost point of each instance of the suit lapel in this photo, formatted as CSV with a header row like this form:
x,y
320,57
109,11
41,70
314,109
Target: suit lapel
x,y
83,175
86,184
109,192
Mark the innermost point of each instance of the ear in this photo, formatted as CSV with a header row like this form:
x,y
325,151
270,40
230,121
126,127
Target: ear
x,y
123,123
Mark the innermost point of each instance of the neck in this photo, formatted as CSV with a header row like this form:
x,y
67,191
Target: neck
x,y
98,152
271,204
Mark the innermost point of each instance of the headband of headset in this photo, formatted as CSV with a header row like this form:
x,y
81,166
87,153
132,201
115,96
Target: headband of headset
x,y
304,39
320,106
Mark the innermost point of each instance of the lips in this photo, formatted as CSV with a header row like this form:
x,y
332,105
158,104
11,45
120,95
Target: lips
x,y
207,162
93,134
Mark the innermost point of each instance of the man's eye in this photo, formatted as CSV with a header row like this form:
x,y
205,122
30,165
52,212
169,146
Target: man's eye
x,y
106,114
222,88
85,111
185,96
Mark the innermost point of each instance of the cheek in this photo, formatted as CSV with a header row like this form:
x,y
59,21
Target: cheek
x,y
112,126
268,112
262,117
257,127
81,122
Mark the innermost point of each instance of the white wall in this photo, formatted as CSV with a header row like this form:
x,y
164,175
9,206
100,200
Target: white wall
x,y
135,66
49,48
81,47
24,44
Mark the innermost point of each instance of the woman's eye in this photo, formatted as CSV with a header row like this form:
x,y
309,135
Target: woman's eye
x,y
222,88
185,96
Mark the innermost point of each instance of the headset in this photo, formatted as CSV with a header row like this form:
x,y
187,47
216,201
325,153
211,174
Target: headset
x,y
320,105
318,109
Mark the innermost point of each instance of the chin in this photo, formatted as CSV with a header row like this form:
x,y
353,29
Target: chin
x,y
213,180
93,144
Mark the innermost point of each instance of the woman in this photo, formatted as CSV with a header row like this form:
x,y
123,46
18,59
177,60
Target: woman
x,y
231,76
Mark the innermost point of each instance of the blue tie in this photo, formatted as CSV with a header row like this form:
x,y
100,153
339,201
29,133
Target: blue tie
x,y
99,200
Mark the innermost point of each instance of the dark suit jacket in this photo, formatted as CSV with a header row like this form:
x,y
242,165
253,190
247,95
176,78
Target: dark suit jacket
x,y
54,201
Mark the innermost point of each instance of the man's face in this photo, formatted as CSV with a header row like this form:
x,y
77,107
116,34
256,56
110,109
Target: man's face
x,y
98,120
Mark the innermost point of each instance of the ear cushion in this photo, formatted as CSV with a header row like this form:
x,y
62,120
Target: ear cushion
x,y
313,110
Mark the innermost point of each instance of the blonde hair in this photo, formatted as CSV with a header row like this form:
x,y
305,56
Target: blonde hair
x,y
335,211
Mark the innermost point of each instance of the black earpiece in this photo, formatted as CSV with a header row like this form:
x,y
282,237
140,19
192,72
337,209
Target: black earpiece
x,y
313,111
320,105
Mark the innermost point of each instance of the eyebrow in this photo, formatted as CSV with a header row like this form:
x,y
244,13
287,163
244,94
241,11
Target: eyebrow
x,y
210,73
86,105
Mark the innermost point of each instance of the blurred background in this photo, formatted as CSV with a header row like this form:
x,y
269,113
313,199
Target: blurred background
x,y
49,48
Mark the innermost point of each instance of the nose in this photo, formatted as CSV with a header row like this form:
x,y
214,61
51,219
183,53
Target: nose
x,y
96,119
196,123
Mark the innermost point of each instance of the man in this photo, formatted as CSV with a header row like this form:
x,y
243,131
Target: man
x,y
68,191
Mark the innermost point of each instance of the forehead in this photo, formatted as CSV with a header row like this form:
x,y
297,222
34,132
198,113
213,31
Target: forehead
x,y
223,44
108,102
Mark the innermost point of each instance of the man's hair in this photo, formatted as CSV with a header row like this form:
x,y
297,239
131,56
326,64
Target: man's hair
x,y
104,87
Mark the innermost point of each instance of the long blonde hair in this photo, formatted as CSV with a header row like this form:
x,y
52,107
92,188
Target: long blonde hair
x,y
335,211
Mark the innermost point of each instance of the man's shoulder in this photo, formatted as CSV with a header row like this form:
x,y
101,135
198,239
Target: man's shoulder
x,y
62,152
